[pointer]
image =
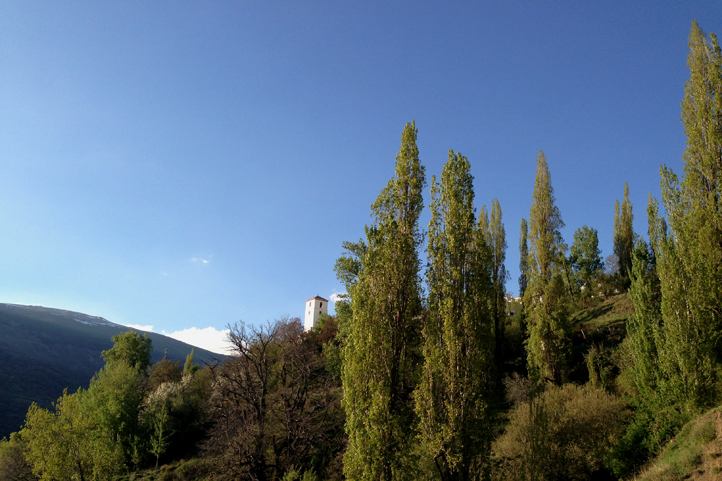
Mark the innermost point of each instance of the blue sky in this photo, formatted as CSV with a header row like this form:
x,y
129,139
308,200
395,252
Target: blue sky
x,y
185,165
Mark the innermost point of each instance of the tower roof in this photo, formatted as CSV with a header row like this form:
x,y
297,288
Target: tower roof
x,y
317,297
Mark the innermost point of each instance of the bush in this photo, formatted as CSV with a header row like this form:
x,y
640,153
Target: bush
x,y
565,433
695,452
651,427
13,465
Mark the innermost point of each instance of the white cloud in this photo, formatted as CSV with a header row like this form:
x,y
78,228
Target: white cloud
x,y
139,327
335,296
208,338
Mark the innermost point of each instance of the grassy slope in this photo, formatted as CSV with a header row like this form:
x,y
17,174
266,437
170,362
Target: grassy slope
x,y
602,325
694,454
611,315
43,351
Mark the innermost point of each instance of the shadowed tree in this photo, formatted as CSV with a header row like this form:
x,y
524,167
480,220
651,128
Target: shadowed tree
x,y
496,241
269,401
523,258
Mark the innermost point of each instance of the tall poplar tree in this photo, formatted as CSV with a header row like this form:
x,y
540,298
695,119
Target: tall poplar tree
x,y
689,259
645,327
523,258
624,234
676,286
381,349
546,298
458,331
496,240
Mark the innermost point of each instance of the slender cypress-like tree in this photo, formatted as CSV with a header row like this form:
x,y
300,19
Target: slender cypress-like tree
x,y
676,286
381,351
496,240
458,331
624,234
523,258
546,298
689,259
644,328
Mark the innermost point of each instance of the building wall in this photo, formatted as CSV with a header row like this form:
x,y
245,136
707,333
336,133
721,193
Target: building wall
x,y
314,308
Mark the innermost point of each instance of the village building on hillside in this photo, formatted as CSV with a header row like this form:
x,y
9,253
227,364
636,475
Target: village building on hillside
x,y
314,308
509,297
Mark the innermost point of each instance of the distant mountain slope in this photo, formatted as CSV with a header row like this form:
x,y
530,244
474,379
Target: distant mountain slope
x,y
44,350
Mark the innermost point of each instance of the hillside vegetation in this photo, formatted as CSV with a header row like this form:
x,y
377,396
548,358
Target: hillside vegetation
x,y
45,350
694,454
606,370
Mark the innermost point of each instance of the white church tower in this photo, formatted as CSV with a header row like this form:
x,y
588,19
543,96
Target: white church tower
x,y
314,308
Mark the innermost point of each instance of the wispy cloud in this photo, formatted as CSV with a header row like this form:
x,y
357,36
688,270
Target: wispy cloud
x,y
208,338
139,327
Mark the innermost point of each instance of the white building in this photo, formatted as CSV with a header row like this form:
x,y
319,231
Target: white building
x,y
314,308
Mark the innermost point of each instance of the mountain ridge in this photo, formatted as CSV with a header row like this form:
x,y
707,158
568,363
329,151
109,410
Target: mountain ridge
x,y
44,350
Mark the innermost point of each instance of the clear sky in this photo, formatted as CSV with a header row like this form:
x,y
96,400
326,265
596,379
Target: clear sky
x,y
185,165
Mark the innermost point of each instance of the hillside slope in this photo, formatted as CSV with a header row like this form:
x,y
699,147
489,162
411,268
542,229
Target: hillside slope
x,y
694,454
44,350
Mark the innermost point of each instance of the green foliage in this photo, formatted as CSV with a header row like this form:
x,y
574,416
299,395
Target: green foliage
x,y
546,298
332,346
676,286
459,327
294,474
544,223
349,265
381,348
695,452
689,258
600,367
495,236
185,401
46,350
347,268
585,258
549,342
159,438
563,434
624,234
646,334
113,403
68,443
523,258
13,465
189,368
652,425
130,348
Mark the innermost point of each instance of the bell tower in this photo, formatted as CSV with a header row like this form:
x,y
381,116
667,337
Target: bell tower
x,y
314,308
